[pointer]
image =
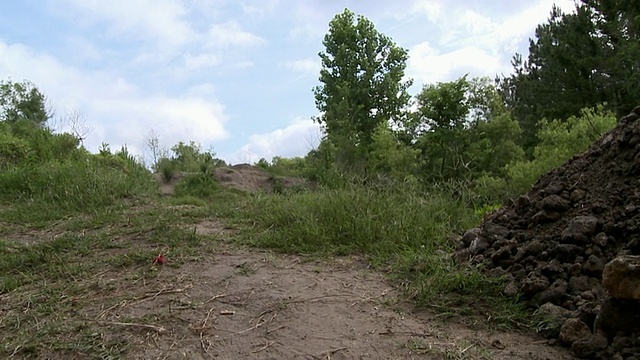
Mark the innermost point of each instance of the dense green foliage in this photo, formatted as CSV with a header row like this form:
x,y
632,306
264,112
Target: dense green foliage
x,y
497,139
48,175
22,101
188,158
362,86
577,60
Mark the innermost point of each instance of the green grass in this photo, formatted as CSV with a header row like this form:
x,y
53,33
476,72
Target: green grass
x,y
200,185
396,230
379,224
53,190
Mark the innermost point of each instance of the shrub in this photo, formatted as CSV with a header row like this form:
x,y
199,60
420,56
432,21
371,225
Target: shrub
x,y
200,185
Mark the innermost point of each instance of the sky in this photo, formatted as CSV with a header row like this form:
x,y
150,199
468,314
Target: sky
x,y
233,76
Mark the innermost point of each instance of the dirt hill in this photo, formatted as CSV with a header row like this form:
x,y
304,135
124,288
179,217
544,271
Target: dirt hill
x,y
243,177
552,244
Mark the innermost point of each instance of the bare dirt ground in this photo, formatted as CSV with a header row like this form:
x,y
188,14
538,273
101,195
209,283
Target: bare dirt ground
x,y
238,304
234,303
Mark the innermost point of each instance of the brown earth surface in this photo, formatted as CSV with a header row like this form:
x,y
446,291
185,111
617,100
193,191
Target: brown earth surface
x,y
240,304
235,303
241,177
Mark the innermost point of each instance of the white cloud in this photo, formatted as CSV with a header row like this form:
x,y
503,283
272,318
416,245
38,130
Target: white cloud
x,y
426,65
469,41
230,34
297,139
119,111
160,20
260,8
308,66
173,119
201,61
431,8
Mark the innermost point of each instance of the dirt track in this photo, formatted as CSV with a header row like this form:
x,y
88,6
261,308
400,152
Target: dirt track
x,y
239,304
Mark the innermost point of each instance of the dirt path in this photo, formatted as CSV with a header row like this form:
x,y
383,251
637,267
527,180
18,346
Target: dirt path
x,y
256,305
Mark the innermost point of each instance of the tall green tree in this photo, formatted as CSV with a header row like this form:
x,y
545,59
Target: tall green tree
x,y
618,24
456,126
361,84
577,60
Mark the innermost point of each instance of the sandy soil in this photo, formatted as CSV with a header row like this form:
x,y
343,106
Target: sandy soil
x,y
241,304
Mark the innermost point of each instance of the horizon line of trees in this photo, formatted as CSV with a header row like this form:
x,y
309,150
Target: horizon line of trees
x,y
582,72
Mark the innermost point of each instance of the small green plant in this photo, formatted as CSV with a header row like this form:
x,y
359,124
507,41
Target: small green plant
x,y
200,185
277,185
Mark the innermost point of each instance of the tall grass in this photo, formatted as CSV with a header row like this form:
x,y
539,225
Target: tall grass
x,y
357,219
54,189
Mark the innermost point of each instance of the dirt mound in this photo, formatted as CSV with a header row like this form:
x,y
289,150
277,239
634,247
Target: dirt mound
x,y
243,177
253,179
553,243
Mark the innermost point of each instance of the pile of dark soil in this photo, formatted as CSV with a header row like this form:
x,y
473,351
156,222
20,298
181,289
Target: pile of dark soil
x,y
552,244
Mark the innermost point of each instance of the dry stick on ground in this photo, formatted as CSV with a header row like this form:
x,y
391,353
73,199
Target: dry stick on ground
x,y
260,323
204,322
141,299
215,297
151,296
265,347
202,329
276,329
146,326
103,313
248,297
327,354
206,349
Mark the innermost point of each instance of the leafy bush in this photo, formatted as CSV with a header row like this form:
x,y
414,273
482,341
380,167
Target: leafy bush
x,y
200,185
559,141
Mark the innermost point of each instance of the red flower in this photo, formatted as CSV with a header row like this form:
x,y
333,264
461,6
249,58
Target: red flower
x,y
159,260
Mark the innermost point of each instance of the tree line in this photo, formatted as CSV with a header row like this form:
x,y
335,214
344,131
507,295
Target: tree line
x,y
581,73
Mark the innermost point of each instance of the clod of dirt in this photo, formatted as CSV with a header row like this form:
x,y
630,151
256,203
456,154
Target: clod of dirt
x,y
621,278
554,242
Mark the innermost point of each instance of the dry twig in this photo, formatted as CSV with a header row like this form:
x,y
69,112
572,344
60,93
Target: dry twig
x,y
265,347
146,326
151,296
327,354
215,297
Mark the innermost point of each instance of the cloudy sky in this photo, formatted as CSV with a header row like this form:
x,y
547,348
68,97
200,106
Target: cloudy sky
x,y
233,75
